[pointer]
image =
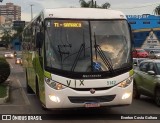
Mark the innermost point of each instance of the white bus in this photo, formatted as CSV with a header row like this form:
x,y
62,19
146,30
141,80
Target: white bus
x,y
79,57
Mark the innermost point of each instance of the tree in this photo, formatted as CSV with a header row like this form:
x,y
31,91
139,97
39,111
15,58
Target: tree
x,y
157,10
18,33
93,4
6,37
106,5
12,34
4,71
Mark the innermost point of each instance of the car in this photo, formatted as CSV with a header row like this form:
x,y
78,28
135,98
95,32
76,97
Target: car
x,y
137,61
147,80
154,54
8,55
18,59
139,53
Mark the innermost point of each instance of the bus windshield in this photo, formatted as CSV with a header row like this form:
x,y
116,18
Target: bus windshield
x,y
87,46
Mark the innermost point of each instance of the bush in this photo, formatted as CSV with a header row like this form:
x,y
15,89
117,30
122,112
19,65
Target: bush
x,y
4,70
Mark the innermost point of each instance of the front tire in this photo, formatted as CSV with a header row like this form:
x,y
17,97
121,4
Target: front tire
x,y
37,88
136,94
157,96
38,95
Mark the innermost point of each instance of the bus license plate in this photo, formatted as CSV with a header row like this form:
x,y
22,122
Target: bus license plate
x,y
90,105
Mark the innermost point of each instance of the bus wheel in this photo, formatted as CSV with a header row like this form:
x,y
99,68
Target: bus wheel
x,y
37,88
29,89
136,94
157,96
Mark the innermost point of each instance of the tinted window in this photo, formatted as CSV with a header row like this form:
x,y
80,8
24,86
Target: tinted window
x,y
144,66
157,68
140,60
146,22
151,67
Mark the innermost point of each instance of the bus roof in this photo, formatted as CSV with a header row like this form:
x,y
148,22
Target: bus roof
x,y
83,13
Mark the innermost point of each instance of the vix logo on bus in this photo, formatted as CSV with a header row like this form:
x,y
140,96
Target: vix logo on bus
x,y
76,83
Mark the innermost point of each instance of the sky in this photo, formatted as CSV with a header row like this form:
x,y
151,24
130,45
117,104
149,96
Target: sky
x,y
128,7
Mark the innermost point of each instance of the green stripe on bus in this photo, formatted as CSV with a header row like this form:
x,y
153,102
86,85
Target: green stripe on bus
x,y
47,74
131,72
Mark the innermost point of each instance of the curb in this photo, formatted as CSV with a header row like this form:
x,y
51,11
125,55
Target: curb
x,y
5,99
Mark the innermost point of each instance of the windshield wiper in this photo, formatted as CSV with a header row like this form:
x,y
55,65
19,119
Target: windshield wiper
x,y
102,55
82,47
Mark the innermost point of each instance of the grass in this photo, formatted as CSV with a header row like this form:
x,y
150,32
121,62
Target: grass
x,y
3,90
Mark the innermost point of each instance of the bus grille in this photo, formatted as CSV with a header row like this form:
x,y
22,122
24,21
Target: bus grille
x,y
107,98
88,89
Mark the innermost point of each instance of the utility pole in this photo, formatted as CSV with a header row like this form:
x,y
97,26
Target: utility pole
x,y
31,12
95,4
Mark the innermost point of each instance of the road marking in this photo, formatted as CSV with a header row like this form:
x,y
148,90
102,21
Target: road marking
x,y
11,65
23,93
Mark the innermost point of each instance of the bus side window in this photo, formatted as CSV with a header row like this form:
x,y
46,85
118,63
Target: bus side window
x,y
39,40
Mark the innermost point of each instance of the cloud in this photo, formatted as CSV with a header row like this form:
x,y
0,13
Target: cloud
x,y
136,8
27,16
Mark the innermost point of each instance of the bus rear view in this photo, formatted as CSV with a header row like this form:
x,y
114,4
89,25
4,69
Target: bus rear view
x,y
86,58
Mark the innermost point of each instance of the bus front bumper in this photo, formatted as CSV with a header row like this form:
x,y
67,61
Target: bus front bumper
x,y
69,98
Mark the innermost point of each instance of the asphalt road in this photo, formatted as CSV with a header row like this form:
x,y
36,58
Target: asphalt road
x,y
22,103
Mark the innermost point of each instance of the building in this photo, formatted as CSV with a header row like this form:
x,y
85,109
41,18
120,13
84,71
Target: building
x,y
2,19
146,31
10,12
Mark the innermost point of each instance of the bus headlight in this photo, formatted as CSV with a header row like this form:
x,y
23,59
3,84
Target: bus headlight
x,y
53,84
54,98
126,82
126,95
12,55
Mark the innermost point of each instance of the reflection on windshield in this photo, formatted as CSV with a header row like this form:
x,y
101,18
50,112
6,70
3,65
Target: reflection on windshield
x,y
85,46
114,41
106,60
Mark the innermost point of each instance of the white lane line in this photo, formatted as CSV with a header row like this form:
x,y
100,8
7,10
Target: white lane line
x,y
23,93
11,65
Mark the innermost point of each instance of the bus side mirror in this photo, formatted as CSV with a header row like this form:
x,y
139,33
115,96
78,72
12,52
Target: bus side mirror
x,y
39,40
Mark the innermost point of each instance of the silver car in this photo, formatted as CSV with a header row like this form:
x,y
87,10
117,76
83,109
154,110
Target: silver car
x,y
8,55
155,54
147,80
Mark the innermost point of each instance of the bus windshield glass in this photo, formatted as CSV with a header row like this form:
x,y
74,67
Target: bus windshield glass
x,y
87,46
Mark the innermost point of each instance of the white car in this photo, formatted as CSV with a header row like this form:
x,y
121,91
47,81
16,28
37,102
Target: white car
x,y
18,59
137,61
8,55
155,54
